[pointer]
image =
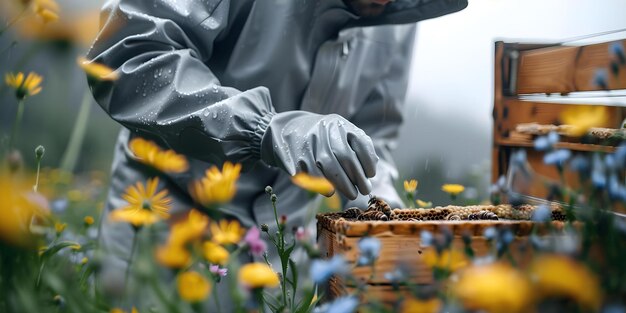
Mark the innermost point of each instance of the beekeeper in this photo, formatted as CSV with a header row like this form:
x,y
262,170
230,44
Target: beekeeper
x,y
281,86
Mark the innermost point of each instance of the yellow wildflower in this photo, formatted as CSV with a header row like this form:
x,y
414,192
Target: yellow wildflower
x,y
559,276
118,310
226,232
453,189
145,205
97,71
584,117
215,253
258,275
89,220
494,288
423,204
47,10
320,185
189,229
75,246
216,186
17,208
59,227
24,86
450,259
152,155
414,305
193,287
410,185
84,261
173,256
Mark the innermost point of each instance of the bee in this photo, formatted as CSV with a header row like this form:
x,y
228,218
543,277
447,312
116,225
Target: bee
x,y
379,205
352,213
453,217
483,215
373,215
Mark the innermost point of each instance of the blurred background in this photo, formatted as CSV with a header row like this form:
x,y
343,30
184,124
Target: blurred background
x,y
446,137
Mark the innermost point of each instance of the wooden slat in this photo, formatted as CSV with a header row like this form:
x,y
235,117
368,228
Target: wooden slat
x,y
567,69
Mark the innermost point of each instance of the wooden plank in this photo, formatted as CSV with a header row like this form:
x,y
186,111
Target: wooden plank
x,y
547,70
567,69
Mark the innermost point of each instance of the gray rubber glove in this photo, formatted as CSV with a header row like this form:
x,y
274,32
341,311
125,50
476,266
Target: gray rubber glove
x,y
321,145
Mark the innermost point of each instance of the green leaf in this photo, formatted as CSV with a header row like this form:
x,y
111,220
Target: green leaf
x,y
56,248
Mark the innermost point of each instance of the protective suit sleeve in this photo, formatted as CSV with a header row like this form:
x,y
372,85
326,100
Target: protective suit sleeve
x,y
165,89
381,117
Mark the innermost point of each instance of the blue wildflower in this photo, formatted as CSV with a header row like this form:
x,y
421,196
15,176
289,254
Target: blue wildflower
x,y
490,233
322,270
519,157
610,162
616,48
598,179
542,214
617,191
59,205
369,249
340,305
542,143
600,78
507,237
580,164
620,156
557,157
426,238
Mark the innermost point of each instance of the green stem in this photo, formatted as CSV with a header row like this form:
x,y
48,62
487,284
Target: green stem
x,y
14,20
70,156
37,176
217,298
130,263
16,124
281,251
161,295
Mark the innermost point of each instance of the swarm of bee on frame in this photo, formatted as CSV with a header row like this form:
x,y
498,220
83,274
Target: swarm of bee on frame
x,y
379,210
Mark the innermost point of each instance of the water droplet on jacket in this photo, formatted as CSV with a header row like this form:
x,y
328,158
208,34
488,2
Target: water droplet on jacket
x,y
212,23
215,89
206,112
214,114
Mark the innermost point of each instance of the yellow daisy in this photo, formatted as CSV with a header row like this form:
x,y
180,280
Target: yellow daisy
x,y
152,155
226,232
17,209
453,189
217,187
173,256
215,253
414,305
193,287
451,260
320,185
97,71
258,275
190,229
145,205
584,117
24,85
561,277
410,185
47,10
494,288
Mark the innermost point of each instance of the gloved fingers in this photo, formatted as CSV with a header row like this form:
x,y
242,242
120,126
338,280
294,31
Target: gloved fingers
x,y
333,171
363,147
352,167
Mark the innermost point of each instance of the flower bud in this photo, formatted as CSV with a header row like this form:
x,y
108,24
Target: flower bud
x,y
265,228
268,190
39,152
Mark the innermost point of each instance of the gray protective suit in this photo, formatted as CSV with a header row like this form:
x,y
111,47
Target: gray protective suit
x,y
211,78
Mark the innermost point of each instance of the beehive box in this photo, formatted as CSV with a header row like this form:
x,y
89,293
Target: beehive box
x,y
402,246
535,83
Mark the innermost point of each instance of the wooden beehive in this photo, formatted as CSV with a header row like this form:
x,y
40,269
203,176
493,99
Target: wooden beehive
x,y
401,244
530,80
535,83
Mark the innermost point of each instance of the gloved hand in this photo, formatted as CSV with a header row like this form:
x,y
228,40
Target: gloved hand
x,y
321,145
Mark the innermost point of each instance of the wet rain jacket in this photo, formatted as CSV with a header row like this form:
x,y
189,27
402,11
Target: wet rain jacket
x,y
206,77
